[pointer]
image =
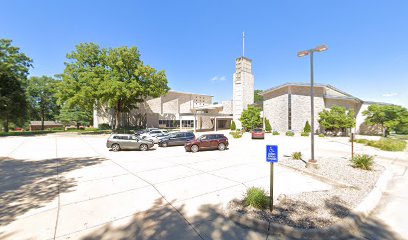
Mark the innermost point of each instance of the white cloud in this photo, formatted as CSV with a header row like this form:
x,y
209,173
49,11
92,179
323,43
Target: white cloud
x,y
217,78
390,94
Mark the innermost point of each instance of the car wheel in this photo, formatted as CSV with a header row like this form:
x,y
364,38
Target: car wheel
x,y
221,146
164,144
115,147
194,148
143,147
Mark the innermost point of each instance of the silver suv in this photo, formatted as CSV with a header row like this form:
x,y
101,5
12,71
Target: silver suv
x,y
128,141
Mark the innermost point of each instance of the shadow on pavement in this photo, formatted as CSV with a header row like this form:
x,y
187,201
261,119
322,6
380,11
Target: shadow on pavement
x,y
26,185
162,221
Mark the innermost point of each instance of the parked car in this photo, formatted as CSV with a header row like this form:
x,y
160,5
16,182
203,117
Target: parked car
x,y
258,133
155,132
155,135
207,141
117,142
176,139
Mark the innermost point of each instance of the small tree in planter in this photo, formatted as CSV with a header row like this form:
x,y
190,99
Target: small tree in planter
x,y
307,128
233,126
268,126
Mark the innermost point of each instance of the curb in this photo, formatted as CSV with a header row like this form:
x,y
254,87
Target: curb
x,y
340,229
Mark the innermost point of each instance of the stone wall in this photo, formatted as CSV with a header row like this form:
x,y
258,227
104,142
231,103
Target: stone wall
x,y
275,108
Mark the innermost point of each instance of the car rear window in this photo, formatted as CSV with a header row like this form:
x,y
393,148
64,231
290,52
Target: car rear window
x,y
258,130
189,134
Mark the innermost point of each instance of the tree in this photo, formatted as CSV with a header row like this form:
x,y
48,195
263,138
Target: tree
x,y
307,128
14,66
337,119
41,96
389,117
74,115
258,98
233,126
268,126
251,118
114,78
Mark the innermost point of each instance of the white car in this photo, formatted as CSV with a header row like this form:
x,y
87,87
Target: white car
x,y
155,135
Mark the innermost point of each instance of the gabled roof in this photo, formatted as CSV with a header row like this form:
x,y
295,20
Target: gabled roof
x,y
297,84
188,93
48,123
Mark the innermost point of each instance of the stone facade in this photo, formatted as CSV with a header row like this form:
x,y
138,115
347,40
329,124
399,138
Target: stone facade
x,y
174,106
243,88
288,107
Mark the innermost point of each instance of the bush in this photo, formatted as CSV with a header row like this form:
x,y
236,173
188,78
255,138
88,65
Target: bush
x,y
388,144
290,133
304,134
321,135
307,128
275,133
236,134
297,155
385,144
256,197
233,126
268,126
363,161
104,126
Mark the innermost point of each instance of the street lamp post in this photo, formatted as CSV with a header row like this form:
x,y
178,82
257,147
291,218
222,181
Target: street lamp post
x,y
302,54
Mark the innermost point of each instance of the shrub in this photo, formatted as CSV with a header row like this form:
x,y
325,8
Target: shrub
x,y
275,133
256,197
388,144
268,126
104,126
304,134
236,134
307,128
321,135
233,126
297,155
385,144
363,161
290,133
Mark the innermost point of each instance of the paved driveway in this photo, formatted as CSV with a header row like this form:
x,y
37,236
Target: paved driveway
x,y
72,187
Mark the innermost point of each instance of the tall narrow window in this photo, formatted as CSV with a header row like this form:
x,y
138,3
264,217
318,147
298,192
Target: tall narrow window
x,y
289,111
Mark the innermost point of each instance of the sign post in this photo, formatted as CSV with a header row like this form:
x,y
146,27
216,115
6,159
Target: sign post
x,y
271,157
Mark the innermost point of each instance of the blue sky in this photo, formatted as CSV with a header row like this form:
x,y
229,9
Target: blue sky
x,y
196,42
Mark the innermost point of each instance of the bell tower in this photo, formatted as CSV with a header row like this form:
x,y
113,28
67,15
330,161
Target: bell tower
x,y
243,85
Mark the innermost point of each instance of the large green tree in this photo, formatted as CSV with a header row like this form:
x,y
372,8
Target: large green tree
x,y
14,66
41,95
389,117
113,78
257,97
74,115
337,119
251,118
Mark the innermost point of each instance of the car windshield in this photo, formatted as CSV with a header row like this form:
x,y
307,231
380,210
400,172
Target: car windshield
x,y
257,130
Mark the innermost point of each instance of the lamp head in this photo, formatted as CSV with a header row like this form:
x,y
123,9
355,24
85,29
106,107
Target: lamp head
x,y
321,48
303,53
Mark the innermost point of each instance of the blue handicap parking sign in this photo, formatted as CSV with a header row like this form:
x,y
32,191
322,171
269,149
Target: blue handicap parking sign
x,y
272,153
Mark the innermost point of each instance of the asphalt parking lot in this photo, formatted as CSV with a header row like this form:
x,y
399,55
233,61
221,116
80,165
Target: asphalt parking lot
x,y
72,187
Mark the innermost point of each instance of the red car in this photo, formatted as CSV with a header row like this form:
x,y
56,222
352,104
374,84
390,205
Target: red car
x,y
207,141
258,133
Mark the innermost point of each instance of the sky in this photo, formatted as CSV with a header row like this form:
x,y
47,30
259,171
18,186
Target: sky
x,y
197,42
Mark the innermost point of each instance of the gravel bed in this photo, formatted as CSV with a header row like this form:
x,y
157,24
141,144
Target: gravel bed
x,y
321,208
